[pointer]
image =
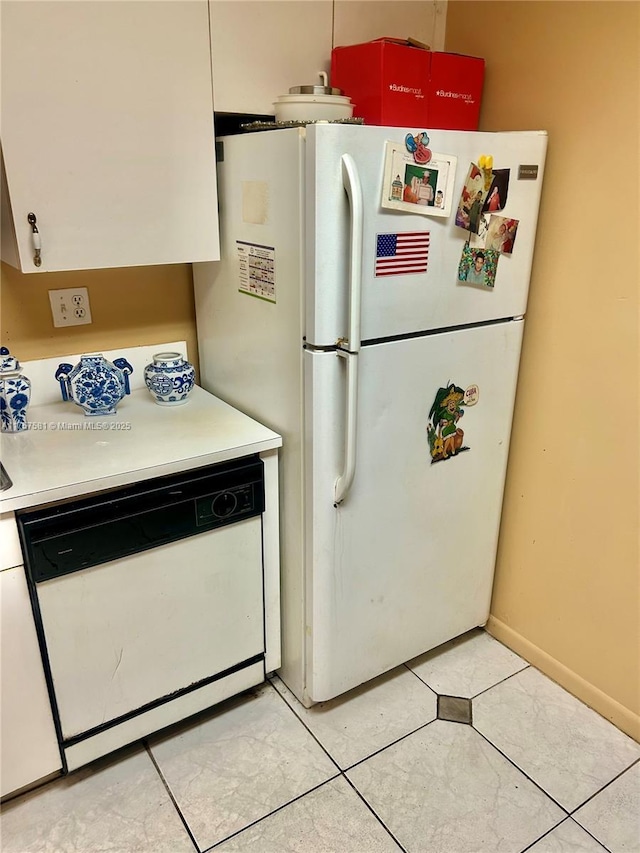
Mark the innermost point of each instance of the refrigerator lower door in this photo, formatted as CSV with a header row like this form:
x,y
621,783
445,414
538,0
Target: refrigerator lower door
x,y
406,561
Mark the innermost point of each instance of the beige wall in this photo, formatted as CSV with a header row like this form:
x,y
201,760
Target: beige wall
x,y
132,306
566,593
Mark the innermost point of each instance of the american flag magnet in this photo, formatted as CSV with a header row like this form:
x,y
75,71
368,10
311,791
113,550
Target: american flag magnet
x,y
403,253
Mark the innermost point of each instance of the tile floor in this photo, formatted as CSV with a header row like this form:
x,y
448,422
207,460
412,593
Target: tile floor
x,y
375,771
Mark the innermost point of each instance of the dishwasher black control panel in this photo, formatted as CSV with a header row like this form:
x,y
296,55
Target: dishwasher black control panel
x,y
226,505
72,535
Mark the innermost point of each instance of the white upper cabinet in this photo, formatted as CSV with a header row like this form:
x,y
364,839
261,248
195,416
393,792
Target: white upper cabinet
x,y
107,133
364,20
261,48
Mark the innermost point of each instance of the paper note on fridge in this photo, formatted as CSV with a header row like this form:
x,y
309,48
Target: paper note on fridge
x,y
257,269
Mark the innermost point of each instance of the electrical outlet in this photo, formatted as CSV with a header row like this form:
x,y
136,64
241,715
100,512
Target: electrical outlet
x,y
70,307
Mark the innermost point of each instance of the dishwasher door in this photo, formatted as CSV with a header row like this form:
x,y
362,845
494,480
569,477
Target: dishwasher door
x,y
148,601
125,634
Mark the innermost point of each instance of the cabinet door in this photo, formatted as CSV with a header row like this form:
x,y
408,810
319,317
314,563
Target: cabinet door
x,y
107,132
371,19
261,48
28,745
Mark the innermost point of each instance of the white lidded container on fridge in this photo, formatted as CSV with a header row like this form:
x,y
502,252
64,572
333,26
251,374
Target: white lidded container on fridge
x,y
315,102
312,106
387,551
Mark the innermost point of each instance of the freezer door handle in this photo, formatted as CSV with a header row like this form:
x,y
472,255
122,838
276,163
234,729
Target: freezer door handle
x,y
344,481
351,182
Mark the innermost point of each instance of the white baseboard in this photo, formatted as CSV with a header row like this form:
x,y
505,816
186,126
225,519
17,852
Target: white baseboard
x,y
618,714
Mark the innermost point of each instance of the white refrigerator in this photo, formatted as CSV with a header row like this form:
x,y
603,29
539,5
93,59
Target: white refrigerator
x,y
315,324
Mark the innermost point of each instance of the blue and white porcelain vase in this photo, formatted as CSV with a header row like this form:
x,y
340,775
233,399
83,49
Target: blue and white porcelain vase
x,y
170,378
95,384
15,394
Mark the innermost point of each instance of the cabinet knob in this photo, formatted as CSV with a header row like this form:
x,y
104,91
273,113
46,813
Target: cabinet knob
x,y
35,235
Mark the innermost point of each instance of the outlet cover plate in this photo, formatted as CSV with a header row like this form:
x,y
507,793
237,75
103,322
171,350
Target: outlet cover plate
x,y
70,307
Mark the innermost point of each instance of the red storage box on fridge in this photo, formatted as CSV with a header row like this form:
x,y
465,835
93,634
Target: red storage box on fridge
x,y
393,82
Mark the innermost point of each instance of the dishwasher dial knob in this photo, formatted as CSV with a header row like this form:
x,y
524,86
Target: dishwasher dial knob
x,y
223,504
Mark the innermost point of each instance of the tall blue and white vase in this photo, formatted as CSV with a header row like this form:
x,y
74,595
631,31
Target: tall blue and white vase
x,y
170,378
15,394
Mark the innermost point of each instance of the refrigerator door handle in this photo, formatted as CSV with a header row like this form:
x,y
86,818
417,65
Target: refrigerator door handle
x,y
351,182
344,481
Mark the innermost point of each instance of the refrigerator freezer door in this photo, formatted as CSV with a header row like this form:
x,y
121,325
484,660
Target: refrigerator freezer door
x,y
400,304
406,561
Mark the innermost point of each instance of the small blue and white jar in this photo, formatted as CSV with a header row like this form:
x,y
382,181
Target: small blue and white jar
x,y
95,384
15,394
170,378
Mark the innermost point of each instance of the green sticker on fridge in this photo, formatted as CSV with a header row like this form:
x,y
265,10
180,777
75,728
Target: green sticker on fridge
x,y
446,437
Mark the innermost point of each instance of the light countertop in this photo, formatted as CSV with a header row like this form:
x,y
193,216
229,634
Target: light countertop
x,y
65,454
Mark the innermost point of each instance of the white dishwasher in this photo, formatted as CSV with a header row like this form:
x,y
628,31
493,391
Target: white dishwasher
x,y
149,602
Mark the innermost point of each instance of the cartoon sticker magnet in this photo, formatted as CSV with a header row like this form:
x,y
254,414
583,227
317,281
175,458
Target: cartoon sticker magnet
x,y
444,434
417,145
414,187
478,267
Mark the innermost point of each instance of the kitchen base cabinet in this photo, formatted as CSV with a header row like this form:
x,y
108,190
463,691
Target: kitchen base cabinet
x,y
28,745
107,133
174,604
